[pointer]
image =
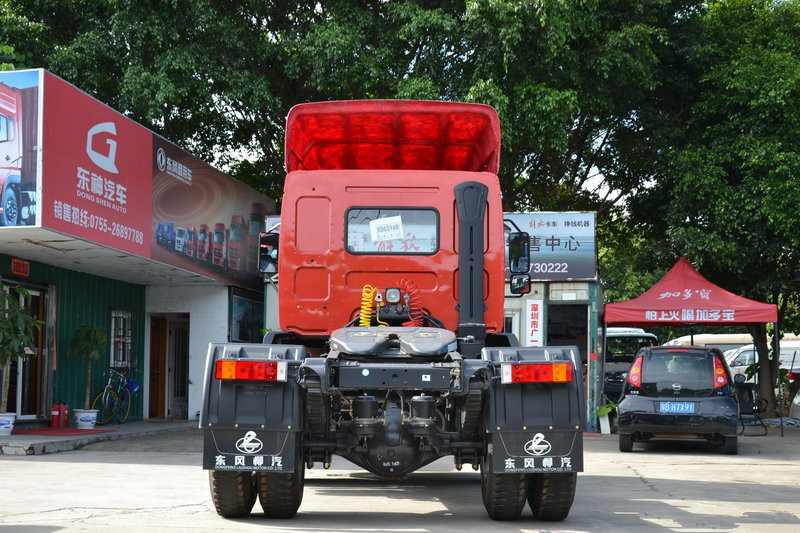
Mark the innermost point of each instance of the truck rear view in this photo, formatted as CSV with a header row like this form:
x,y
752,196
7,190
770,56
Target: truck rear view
x,y
391,352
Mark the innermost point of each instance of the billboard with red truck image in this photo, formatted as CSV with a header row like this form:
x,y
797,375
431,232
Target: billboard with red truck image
x,y
73,165
19,138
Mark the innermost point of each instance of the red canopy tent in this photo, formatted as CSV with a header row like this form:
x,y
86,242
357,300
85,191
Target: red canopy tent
x,y
683,297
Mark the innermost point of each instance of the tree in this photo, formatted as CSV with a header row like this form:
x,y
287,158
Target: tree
x,y
727,197
18,332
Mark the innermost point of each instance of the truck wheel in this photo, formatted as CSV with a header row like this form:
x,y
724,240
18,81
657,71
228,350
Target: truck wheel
x,y
281,494
550,495
625,442
503,494
10,204
233,493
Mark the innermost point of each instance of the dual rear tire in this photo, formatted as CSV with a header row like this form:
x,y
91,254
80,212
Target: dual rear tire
x,y
550,495
280,494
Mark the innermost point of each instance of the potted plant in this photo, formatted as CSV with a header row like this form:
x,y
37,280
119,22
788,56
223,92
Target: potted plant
x,y
18,330
90,343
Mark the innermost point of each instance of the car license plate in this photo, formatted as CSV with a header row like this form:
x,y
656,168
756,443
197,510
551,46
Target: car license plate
x,y
676,407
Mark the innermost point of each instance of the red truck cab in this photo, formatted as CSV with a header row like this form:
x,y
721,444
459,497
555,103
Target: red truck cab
x,y
203,243
371,195
218,250
10,155
236,243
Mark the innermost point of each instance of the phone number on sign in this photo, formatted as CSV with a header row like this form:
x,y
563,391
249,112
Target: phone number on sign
x,y
81,217
117,230
550,268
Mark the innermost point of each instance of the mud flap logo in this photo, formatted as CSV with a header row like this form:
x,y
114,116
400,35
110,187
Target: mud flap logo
x,y
249,443
537,445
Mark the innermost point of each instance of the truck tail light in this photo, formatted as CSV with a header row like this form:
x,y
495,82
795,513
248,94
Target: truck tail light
x,y
537,373
720,378
250,370
635,373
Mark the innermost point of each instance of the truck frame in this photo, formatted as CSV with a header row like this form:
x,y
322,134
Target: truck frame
x,y
391,352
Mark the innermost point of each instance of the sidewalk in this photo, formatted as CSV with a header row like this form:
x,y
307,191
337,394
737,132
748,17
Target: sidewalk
x,y
27,444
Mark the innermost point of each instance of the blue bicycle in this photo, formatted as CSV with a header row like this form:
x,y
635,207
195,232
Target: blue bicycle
x,y
115,399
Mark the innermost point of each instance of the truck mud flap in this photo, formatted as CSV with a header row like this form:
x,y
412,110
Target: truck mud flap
x,y
536,451
249,449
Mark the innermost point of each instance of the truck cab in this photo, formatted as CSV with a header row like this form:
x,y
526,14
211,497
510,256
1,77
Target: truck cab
x,y
10,155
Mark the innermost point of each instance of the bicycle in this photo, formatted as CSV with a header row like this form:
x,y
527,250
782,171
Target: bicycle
x,y
115,398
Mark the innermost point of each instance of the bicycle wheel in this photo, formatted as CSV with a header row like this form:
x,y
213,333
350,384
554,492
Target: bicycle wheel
x,y
124,405
106,405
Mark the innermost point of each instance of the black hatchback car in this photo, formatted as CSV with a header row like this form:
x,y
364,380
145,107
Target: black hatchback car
x,y
678,393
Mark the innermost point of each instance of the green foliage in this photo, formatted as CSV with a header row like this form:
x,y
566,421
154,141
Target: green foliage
x,y
18,328
91,343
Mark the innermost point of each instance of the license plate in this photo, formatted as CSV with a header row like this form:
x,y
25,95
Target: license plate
x,y
676,407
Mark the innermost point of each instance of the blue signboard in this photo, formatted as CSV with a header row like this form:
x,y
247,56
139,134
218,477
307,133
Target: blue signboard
x,y
562,244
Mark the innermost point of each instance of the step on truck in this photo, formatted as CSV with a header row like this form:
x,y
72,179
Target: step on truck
x,y
391,351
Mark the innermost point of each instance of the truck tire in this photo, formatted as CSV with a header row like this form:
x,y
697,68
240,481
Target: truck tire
x,y
233,493
550,495
10,205
503,494
280,494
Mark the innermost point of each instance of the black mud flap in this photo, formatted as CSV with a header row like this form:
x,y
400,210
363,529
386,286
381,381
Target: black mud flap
x,y
536,451
249,449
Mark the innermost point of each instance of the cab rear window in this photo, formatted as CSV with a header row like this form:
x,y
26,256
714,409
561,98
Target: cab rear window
x,y
394,231
683,373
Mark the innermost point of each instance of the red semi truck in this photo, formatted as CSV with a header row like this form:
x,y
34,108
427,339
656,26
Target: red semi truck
x,y
391,352
18,132
236,244
219,244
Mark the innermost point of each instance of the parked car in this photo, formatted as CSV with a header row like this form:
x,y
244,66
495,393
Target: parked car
x,y
789,360
621,346
678,392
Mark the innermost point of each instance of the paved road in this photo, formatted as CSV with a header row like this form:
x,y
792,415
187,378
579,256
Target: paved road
x,y
156,484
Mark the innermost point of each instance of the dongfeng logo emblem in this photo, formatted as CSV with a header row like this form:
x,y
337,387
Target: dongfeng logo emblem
x,y
104,161
537,445
161,159
249,443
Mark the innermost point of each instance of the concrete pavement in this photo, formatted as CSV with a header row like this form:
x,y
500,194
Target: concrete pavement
x,y
29,444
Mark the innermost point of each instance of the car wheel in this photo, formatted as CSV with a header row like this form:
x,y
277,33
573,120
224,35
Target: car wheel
x,y
731,445
625,442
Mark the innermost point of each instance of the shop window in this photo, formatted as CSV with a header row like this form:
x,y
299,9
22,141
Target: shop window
x,y
122,355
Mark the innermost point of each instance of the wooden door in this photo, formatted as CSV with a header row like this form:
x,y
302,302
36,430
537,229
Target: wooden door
x,y
158,366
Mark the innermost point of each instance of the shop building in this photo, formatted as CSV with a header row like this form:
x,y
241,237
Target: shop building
x,y
108,224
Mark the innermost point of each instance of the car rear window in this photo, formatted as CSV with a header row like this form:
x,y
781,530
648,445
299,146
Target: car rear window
x,y
687,373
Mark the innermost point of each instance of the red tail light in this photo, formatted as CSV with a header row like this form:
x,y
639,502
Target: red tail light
x,y
537,373
720,378
791,376
635,373
250,370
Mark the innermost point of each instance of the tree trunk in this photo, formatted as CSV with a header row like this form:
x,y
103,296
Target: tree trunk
x,y
4,387
87,398
766,370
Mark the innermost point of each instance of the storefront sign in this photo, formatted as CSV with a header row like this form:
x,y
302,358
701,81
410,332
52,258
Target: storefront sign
x,y
533,328
562,244
20,267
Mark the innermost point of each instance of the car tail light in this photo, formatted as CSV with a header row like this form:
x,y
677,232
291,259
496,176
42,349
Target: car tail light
x,y
250,370
537,373
635,373
720,378
792,375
